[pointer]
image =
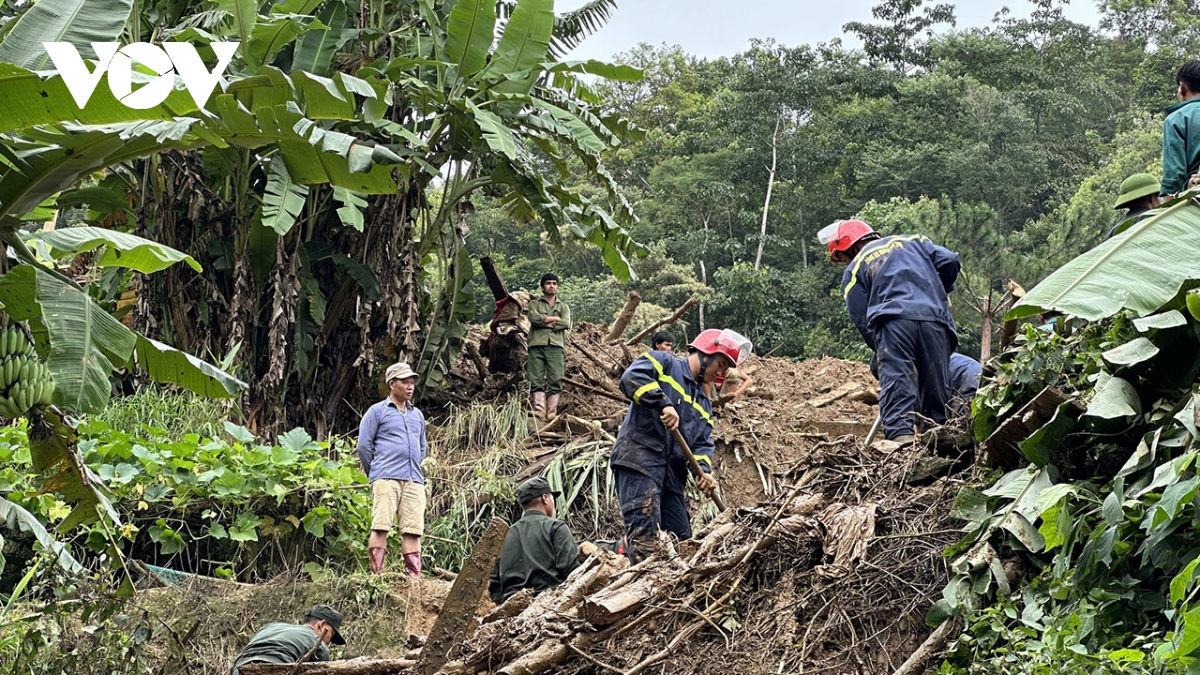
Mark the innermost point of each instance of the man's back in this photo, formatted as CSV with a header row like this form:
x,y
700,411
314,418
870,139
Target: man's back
x,y
1181,145
903,276
282,643
538,552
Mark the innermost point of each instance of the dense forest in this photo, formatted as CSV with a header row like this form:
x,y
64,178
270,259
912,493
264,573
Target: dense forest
x,y
1005,143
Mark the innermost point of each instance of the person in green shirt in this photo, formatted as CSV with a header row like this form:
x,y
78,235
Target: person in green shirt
x,y
290,643
1140,195
539,551
549,321
1181,132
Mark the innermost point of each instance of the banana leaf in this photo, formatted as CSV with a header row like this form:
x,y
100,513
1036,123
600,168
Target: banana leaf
x,y
523,45
15,517
79,22
1140,270
469,34
121,249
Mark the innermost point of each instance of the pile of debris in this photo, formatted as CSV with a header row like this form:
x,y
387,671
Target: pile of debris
x,y
826,561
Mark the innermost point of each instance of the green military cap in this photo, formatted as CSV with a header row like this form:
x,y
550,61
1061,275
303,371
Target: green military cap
x,y
1135,187
534,488
330,616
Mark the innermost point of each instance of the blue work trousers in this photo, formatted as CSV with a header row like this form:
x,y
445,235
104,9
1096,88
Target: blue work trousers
x,y
914,364
651,501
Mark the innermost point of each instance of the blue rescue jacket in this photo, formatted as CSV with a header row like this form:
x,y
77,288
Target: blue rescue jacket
x,y
905,276
964,375
654,381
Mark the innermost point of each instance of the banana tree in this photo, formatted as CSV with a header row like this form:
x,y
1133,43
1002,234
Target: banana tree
x,y
1142,269
321,284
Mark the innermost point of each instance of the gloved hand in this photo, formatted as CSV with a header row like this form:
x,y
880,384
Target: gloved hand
x,y
587,548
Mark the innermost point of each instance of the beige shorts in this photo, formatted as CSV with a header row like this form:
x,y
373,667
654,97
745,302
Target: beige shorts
x,y
398,499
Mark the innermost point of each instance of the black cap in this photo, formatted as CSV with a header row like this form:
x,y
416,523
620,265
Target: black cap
x,y
330,616
534,488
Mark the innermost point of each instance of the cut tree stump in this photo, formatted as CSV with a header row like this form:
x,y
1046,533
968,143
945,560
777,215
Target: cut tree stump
x,y
623,319
454,622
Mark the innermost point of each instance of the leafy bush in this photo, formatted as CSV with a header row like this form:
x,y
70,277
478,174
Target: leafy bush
x,y
1086,560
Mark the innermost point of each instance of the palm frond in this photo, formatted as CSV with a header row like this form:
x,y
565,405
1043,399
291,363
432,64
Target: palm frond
x,y
572,28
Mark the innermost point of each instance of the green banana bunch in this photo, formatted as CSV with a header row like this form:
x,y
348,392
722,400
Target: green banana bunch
x,y
24,380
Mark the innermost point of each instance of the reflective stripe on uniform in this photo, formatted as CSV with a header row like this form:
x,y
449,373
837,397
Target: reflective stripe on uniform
x,y
663,377
637,395
704,459
872,251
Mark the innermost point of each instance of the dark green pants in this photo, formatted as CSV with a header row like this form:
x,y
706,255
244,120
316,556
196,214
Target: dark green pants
x,y
545,369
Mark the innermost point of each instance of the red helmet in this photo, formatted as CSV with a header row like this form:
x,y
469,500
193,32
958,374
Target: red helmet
x,y
840,236
727,342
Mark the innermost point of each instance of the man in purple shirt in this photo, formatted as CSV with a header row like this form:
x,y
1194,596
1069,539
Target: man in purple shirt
x,y
391,446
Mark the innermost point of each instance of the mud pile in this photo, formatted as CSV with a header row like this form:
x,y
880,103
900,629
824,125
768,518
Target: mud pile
x,y
842,588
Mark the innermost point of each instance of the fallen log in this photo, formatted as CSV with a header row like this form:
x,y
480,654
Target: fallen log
x,y
663,322
458,611
359,666
919,659
623,319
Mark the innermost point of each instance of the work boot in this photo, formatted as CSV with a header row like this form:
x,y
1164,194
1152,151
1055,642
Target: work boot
x,y
377,554
539,406
552,407
904,441
412,563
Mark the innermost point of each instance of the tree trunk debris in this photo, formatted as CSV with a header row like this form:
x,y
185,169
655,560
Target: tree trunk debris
x,y
623,319
691,302
454,622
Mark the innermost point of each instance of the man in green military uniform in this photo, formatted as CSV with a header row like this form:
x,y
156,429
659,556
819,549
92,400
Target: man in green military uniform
x,y
291,643
539,551
1139,194
549,321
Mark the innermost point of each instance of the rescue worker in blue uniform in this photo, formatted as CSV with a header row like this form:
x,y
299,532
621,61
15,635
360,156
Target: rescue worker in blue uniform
x,y
897,293
964,382
650,469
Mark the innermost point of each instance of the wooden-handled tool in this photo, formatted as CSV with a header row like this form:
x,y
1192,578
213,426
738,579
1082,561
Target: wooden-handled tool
x,y
695,466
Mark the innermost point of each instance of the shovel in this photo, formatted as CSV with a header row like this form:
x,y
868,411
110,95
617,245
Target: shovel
x,y
695,466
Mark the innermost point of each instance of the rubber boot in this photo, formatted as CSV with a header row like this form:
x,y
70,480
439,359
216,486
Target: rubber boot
x,y
412,563
551,407
539,406
377,554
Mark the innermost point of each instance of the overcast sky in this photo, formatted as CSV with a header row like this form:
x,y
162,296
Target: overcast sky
x,y
711,28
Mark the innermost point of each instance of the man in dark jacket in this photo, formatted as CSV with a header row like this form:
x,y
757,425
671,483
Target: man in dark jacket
x,y
964,382
896,290
650,469
289,642
1181,131
539,551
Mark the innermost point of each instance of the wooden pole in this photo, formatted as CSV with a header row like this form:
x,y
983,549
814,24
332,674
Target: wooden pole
x,y
695,466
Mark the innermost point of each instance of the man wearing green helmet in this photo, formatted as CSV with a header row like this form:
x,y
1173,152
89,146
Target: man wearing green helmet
x,y
1139,194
